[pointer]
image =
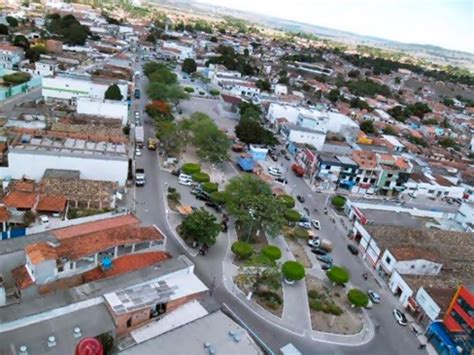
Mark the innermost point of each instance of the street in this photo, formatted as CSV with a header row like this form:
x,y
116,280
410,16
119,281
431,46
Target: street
x,y
150,208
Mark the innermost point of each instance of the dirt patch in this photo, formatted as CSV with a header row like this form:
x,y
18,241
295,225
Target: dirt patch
x,y
299,253
349,322
268,292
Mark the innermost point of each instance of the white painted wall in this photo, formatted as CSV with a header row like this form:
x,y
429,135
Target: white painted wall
x,y
418,267
434,190
412,211
396,281
105,108
429,306
34,165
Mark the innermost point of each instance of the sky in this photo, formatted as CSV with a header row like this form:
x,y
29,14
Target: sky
x,y
445,23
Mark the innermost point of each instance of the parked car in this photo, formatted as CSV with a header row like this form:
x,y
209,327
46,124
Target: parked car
x,y
176,172
138,152
274,157
326,266
216,207
325,258
287,157
203,196
185,182
184,176
44,220
314,243
305,225
281,180
353,249
319,251
196,191
400,317
300,198
274,171
304,218
374,296
315,223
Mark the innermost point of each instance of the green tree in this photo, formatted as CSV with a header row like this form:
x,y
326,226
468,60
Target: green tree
x,y
251,131
287,200
333,95
16,78
251,202
448,102
12,22
272,252
34,53
191,168
338,201
338,275
357,297
398,113
170,136
189,66
113,93
242,249
161,91
264,85
292,215
367,127
21,41
293,271
388,129
447,143
212,144
200,226
3,29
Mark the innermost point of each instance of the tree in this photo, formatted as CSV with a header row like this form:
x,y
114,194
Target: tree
x,y
264,85
212,144
338,201
29,217
200,226
357,298
21,41
293,271
16,78
158,109
398,113
209,187
287,200
191,168
388,129
338,275
360,104
3,29
272,252
201,177
367,127
448,102
251,131
113,93
12,22
170,136
334,95
292,215
34,53
251,202
242,249
107,342
447,142
189,66
162,91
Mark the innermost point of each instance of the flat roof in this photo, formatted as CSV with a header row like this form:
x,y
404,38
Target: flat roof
x,y
214,329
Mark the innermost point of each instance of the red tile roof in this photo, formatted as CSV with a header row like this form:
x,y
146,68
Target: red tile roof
x,y
231,99
126,263
22,277
104,224
403,253
23,200
4,214
51,204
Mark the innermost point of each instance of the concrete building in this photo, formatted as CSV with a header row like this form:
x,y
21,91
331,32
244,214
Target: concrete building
x,y
31,157
69,86
301,135
175,50
342,125
103,108
10,57
43,67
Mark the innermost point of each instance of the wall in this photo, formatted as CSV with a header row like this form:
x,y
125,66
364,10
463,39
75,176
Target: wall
x,y
106,108
44,272
418,267
396,281
434,190
428,305
412,211
276,111
388,267
34,165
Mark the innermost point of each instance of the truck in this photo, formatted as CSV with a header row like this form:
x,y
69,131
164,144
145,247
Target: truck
x,y
246,164
137,93
139,136
298,170
151,144
326,245
139,177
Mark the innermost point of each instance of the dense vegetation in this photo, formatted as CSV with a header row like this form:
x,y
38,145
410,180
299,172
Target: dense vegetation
x,y
68,28
233,61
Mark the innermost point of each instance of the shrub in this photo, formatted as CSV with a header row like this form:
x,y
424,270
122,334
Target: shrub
x,y
293,270
202,93
338,202
191,168
218,197
313,294
292,215
29,217
272,252
287,200
357,297
242,249
300,233
201,177
171,189
16,78
338,275
189,89
214,92
334,309
174,196
315,305
210,187
270,296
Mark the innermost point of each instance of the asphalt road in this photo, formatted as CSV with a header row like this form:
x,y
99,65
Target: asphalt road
x,y
150,208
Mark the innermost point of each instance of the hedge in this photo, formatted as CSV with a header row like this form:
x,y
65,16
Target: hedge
x,y
293,270
189,89
16,78
292,215
287,200
272,252
357,297
338,201
300,233
214,92
338,275
201,177
242,249
218,197
210,187
191,168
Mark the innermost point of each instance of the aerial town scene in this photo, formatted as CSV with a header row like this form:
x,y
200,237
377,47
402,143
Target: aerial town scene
x,y
236,177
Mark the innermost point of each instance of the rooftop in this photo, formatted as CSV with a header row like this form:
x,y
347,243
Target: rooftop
x,y
20,200
51,204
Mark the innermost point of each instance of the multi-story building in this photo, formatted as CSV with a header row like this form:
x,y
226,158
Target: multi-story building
x,y
367,172
10,56
395,172
335,171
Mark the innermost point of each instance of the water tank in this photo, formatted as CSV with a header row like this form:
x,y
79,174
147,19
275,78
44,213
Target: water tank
x,y
106,263
89,346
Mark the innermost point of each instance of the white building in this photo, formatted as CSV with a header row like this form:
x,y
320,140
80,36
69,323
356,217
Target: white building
x,y
69,86
10,56
104,108
280,89
43,67
465,215
342,124
397,145
176,50
290,113
104,161
301,135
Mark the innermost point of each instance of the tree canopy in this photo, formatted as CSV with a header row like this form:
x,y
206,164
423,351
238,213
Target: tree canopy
x,y
232,60
250,130
12,22
113,93
338,275
201,226
68,27
367,127
189,65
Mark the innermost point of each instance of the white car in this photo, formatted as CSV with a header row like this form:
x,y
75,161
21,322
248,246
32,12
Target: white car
x,y
44,220
305,225
185,177
400,317
314,243
138,152
274,171
315,223
374,296
137,114
185,182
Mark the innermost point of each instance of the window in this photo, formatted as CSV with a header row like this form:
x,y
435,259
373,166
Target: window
x,y
129,322
388,260
60,268
412,267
